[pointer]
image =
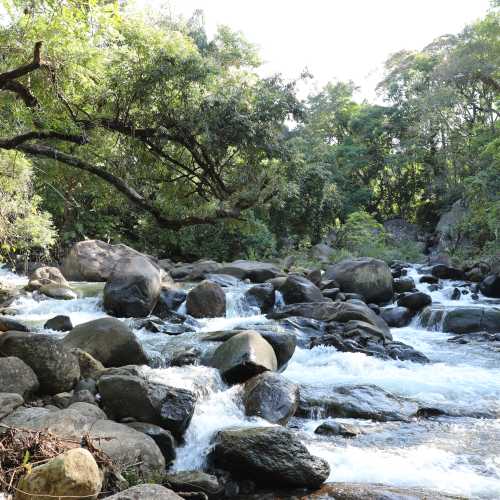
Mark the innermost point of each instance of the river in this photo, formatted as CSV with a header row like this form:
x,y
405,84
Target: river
x,y
457,455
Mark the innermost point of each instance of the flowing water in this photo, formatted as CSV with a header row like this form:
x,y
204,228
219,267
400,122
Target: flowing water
x,y
459,455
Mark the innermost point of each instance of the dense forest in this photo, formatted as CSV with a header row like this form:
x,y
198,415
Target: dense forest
x,y
123,127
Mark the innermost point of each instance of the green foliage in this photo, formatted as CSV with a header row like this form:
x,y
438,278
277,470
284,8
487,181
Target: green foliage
x,y
23,227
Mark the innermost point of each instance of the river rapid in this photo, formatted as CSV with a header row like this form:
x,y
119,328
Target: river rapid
x,y
457,455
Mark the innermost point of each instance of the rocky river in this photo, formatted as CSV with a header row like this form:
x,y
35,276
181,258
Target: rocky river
x,y
433,425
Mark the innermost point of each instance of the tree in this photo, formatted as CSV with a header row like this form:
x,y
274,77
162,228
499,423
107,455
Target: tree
x,y
184,129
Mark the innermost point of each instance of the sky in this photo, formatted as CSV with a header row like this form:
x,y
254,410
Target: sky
x,y
334,39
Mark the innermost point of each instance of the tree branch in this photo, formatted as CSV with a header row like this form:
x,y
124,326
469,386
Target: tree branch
x,y
22,92
16,141
131,194
23,70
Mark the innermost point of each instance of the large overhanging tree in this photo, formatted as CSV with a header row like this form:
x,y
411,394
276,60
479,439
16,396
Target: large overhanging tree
x,y
182,127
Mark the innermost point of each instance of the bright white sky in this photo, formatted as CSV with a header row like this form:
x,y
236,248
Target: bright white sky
x,y
334,39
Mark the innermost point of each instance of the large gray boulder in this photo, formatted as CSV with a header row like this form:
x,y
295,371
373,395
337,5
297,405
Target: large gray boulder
x,y
128,449
297,289
356,401
16,376
46,276
368,277
94,260
129,396
55,366
283,343
197,271
206,300
472,319
133,288
108,340
332,311
243,356
272,397
270,456
256,272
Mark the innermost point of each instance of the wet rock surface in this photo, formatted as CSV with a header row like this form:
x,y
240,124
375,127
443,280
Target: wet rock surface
x,y
272,456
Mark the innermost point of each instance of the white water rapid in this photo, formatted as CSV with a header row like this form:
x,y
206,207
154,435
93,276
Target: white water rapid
x,y
457,455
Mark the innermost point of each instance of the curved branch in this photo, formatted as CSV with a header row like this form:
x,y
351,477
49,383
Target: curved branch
x,y
16,141
22,92
23,70
131,194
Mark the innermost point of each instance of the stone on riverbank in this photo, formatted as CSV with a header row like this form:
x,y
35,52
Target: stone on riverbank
x,y
16,376
55,366
243,356
206,300
371,278
272,397
74,473
108,340
269,456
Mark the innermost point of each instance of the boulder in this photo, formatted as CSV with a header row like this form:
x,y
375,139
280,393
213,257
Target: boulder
x,y
124,445
243,356
73,473
283,343
195,481
108,340
262,296
447,272
197,271
9,325
94,260
206,300
46,276
371,278
129,396
59,323
9,401
472,319
415,301
331,311
163,438
17,377
224,280
397,317
490,286
256,272
146,492
403,284
169,301
133,288
356,401
272,397
297,289
337,429
54,364
58,292
271,456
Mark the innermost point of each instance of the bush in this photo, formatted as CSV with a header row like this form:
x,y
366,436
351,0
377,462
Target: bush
x,y
24,228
